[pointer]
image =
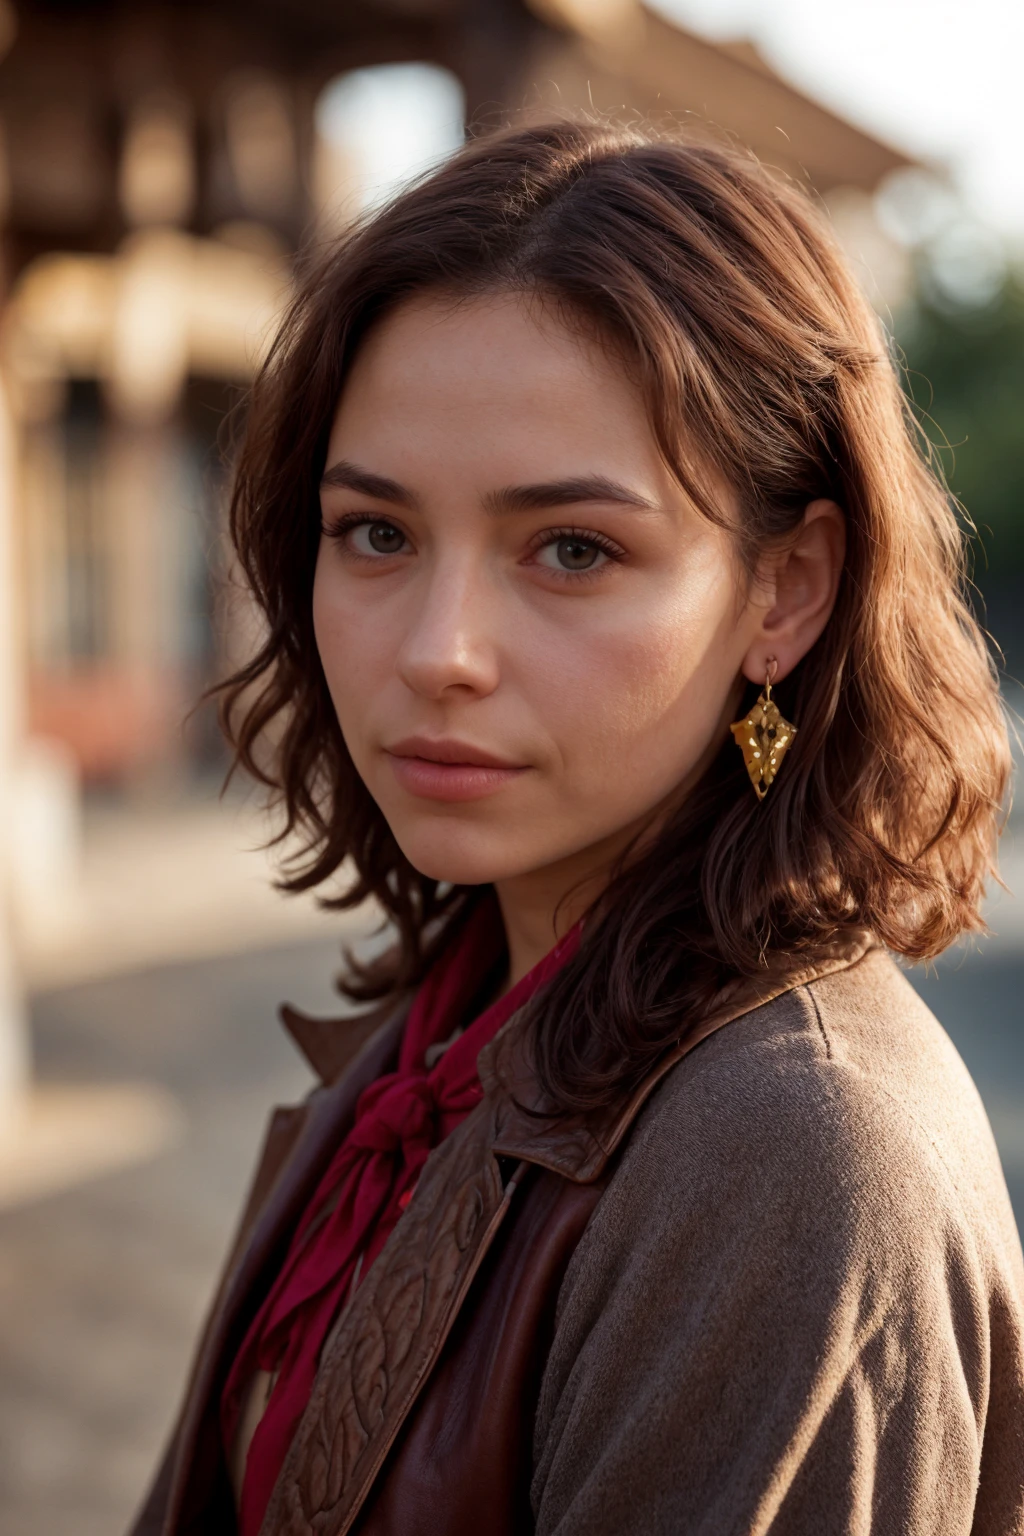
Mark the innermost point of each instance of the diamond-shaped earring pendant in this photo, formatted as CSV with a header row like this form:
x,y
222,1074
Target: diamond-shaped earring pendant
x,y
764,738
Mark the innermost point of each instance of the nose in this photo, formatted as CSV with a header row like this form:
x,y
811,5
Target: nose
x,y
449,647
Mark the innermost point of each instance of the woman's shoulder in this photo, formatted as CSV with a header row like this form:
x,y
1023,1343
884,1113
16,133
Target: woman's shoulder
x,y
839,1114
802,1275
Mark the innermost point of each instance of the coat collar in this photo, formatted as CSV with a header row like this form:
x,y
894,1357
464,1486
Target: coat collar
x,y
389,1338
578,1147
331,1045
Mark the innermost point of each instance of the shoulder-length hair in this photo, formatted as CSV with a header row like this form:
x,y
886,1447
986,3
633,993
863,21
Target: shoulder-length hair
x,y
760,359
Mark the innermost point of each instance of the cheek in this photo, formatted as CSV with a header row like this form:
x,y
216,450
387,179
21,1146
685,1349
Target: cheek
x,y
639,701
355,655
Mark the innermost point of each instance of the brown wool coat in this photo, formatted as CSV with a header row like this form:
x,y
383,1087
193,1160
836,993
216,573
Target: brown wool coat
x,y
780,1291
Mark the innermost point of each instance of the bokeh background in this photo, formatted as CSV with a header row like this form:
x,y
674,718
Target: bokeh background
x,y
160,167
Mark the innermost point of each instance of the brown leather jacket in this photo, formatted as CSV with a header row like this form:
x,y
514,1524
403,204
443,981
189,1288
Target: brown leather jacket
x,y
422,1419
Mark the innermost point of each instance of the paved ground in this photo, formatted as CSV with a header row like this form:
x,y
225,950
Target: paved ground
x,y
179,880
101,1288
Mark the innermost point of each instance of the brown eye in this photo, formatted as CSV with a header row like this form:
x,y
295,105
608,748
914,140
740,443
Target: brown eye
x,y
385,538
574,555
377,539
571,553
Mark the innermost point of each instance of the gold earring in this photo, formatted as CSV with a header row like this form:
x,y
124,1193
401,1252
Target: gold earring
x,y
764,737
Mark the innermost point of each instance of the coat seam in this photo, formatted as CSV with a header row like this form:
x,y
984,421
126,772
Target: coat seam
x,y
808,989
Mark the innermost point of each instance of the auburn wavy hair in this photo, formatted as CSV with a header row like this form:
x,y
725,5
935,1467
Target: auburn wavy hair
x,y
758,356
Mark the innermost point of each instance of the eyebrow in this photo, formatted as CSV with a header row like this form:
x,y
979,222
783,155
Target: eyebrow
x,y
564,493
512,498
349,477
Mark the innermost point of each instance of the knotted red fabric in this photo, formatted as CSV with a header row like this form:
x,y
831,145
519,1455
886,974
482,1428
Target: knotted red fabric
x,y
399,1120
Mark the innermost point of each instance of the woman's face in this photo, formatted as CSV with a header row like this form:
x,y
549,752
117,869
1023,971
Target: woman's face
x,y
532,640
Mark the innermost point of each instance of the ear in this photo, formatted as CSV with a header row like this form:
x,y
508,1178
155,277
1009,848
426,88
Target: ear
x,y
797,587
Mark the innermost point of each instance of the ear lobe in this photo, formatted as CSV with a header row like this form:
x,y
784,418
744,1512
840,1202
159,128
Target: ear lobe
x,y
806,583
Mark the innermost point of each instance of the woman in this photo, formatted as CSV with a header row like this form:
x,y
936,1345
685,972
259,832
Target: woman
x,y
615,638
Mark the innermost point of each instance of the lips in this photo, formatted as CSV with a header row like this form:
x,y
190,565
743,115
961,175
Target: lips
x,y
448,750
449,770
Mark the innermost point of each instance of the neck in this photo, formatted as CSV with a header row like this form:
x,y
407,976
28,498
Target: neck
x,y
539,908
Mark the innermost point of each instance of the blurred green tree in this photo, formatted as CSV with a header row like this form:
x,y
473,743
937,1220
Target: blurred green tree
x,y
965,375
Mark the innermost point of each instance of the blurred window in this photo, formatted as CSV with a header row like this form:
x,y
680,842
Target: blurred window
x,y
88,574
156,182
260,135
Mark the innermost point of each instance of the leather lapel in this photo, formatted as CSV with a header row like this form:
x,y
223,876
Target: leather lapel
x,y
388,1340
301,1141
331,1045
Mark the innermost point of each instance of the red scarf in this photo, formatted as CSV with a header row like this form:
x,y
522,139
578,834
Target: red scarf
x,y
399,1120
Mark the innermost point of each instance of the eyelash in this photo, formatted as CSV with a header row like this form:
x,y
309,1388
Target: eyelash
x,y
600,541
338,527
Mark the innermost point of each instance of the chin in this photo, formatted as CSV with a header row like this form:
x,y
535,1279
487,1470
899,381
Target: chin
x,y
464,856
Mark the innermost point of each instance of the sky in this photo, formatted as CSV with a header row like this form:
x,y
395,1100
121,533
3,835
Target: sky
x,y
943,79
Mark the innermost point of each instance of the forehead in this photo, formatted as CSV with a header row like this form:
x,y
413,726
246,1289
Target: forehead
x,y
501,375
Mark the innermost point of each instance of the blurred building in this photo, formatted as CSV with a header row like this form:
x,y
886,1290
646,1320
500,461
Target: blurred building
x,y
159,165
